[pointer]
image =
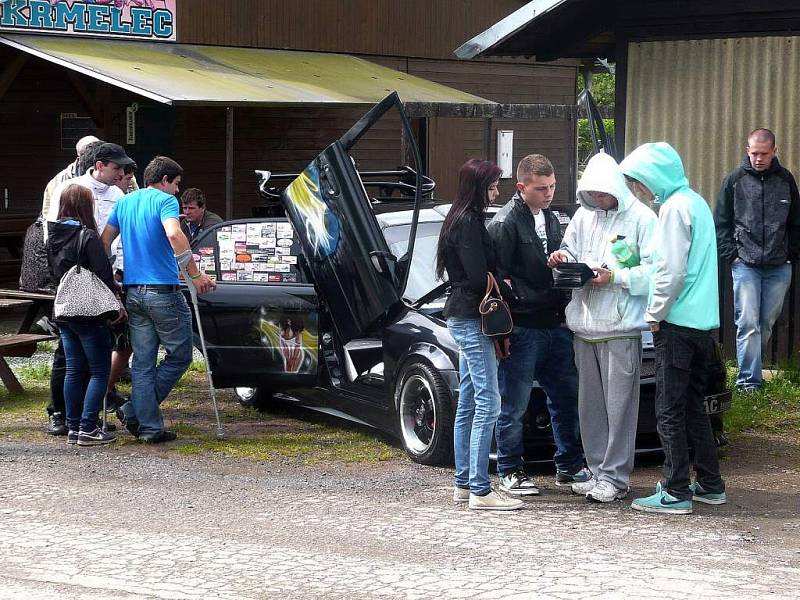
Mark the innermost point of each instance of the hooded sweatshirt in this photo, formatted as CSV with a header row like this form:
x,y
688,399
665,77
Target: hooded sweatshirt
x,y
614,310
684,289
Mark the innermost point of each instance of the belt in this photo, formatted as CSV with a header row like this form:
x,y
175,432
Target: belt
x,y
158,288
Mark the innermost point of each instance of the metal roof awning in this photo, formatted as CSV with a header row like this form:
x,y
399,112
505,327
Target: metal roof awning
x,y
548,29
191,75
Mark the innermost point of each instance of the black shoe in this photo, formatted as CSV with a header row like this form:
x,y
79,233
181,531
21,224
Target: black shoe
x,y
165,435
109,426
96,437
130,424
56,424
114,400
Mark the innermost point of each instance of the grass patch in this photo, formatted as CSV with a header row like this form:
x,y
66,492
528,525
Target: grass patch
x,y
319,444
35,372
182,428
46,347
774,408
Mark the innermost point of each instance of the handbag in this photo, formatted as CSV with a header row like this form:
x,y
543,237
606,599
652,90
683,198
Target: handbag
x,y
81,294
495,315
34,275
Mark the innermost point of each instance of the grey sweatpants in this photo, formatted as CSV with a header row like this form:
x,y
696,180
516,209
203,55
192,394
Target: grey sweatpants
x,y
608,405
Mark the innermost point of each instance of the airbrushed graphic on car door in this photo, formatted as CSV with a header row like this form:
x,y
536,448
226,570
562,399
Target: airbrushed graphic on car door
x,y
292,338
319,222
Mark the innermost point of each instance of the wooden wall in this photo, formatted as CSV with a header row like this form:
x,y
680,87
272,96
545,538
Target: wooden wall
x,y
419,28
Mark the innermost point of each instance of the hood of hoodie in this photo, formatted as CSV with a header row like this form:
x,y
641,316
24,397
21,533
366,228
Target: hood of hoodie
x,y
773,167
602,174
658,166
62,233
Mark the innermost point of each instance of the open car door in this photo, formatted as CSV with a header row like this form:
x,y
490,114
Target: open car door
x,y
357,277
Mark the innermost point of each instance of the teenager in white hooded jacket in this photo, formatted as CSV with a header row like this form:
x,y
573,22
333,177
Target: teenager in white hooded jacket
x,y
607,318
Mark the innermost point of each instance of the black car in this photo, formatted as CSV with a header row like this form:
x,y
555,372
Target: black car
x,y
336,307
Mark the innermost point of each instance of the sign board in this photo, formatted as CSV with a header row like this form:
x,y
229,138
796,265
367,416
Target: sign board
x,y
74,128
152,20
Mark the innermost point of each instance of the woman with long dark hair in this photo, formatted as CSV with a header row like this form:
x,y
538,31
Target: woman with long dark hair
x,y
86,340
465,252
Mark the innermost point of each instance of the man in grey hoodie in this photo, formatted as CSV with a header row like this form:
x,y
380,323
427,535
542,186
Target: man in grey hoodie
x,y
612,233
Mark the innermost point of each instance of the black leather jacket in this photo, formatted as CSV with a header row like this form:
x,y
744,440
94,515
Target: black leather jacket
x,y
522,259
758,216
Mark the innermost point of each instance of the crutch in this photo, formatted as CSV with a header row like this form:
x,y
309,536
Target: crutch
x,y
183,260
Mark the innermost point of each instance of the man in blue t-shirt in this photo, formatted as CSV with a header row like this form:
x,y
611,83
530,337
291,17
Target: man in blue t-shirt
x,y
148,221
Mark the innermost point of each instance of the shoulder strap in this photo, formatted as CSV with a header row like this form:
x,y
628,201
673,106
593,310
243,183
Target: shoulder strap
x,y
81,243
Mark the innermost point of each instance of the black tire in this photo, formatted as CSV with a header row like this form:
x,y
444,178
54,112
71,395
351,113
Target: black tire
x,y
424,414
257,398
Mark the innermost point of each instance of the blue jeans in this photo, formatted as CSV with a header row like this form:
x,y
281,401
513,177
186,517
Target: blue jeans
x,y
758,294
156,319
87,347
478,405
547,356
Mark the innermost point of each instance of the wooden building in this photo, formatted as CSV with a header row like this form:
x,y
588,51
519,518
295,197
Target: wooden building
x,y
699,75
148,95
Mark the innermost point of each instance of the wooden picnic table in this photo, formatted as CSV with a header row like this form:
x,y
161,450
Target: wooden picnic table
x,y
23,343
39,301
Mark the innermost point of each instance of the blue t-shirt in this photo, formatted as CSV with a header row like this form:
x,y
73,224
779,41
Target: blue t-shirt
x,y
139,217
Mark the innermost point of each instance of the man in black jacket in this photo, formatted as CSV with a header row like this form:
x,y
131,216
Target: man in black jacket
x,y
524,232
758,231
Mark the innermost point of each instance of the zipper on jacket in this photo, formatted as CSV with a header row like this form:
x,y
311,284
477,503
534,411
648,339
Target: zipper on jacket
x,y
763,227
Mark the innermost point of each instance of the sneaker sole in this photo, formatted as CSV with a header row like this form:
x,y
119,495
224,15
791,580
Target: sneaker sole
x,y
591,498
567,483
669,511
501,508
712,501
96,442
522,492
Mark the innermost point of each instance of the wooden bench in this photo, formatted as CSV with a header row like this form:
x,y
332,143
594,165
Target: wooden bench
x,y
18,344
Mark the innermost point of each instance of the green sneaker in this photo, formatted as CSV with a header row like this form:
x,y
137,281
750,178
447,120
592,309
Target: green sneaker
x,y
662,502
701,495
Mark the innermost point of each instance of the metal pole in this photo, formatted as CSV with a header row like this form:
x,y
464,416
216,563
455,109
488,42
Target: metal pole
x,y
228,163
195,305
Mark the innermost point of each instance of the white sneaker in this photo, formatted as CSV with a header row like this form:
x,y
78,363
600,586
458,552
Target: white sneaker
x,y
584,487
460,494
494,501
605,491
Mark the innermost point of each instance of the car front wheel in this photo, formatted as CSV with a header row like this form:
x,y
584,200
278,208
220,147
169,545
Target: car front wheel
x,y
425,414
257,398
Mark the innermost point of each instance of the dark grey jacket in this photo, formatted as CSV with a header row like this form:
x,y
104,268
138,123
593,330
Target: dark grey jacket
x,y
521,258
758,216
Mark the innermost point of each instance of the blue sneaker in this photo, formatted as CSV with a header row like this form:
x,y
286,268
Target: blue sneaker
x,y
701,495
564,479
662,502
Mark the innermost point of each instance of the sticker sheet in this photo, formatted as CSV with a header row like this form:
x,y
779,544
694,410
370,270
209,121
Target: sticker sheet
x,y
260,252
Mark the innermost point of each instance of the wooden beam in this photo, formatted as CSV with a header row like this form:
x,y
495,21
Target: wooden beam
x,y
10,72
496,111
228,163
88,99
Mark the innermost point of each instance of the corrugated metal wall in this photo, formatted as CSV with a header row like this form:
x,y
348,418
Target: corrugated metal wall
x,y
704,96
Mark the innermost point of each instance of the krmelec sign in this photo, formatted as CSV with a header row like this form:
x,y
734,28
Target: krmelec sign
x,y
139,19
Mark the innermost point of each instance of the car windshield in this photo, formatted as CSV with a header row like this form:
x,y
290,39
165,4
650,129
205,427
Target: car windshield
x,y
422,277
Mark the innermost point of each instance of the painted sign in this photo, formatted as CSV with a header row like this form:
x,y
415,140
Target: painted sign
x,y
138,19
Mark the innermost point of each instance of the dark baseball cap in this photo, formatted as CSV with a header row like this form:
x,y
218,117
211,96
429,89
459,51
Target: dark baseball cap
x,y
112,152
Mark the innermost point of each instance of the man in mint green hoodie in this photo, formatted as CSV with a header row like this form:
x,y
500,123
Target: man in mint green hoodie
x,y
682,311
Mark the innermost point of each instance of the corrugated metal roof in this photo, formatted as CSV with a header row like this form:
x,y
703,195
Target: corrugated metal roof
x,y
183,74
705,96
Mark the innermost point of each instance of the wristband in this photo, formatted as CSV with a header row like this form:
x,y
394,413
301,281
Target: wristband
x,y
198,276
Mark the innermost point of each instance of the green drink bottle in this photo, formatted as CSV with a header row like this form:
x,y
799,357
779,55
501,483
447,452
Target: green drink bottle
x,y
626,256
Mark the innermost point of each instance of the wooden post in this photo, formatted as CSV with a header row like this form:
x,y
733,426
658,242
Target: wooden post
x,y
229,163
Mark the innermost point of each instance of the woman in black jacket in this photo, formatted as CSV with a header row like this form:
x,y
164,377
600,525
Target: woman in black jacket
x,y
86,340
465,252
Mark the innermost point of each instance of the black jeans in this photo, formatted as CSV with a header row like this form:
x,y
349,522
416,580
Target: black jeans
x,y
683,356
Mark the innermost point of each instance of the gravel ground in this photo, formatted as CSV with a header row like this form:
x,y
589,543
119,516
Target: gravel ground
x,y
139,522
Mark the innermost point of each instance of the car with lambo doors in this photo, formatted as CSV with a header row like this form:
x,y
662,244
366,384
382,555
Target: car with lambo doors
x,y
335,305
